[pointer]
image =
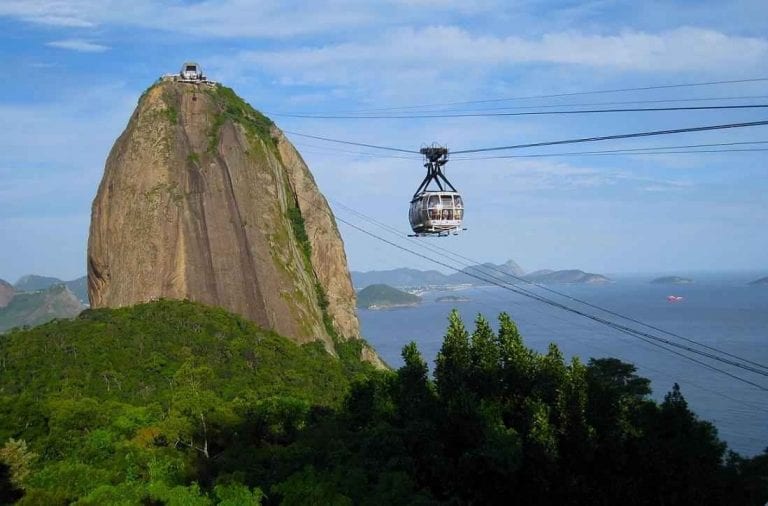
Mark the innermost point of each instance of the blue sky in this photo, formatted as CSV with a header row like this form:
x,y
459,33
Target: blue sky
x,y
73,70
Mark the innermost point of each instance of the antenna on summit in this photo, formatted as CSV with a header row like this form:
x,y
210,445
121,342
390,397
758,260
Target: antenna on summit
x,y
190,72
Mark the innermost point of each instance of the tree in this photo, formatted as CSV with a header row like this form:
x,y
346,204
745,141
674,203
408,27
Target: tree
x,y
485,372
16,455
453,360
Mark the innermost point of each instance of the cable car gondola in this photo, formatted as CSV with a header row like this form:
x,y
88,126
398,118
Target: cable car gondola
x,y
436,212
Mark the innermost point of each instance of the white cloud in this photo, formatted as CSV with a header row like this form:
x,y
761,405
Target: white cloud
x,y
448,47
217,18
71,13
79,45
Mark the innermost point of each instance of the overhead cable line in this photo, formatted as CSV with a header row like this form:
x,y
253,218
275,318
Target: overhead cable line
x,y
547,143
618,136
621,328
592,104
477,267
524,113
351,143
541,106
577,93
656,150
362,153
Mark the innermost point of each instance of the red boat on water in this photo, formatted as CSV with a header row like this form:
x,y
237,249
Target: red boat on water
x,y
674,298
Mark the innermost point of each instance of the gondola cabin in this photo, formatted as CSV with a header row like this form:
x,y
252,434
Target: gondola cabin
x,y
436,212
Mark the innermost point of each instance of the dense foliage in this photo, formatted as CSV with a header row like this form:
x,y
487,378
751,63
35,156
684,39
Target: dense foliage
x,y
175,403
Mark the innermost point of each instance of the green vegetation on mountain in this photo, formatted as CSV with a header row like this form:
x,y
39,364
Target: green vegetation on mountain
x,y
383,296
136,403
177,403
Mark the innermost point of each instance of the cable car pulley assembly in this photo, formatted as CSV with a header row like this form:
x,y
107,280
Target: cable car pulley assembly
x,y
436,212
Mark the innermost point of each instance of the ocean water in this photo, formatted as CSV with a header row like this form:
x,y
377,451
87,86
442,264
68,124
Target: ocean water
x,y
719,310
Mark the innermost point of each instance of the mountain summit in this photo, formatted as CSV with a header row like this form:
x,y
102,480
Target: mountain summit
x,y
203,198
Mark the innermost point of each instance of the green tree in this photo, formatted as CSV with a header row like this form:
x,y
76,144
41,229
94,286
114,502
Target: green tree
x,y
485,359
19,458
453,360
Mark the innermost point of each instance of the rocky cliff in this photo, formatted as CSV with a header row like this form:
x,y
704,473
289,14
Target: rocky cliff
x,y
203,198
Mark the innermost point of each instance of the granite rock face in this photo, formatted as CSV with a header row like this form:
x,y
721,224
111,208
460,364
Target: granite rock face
x,y
203,198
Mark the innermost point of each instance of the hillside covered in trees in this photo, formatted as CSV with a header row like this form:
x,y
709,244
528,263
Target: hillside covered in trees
x,y
177,403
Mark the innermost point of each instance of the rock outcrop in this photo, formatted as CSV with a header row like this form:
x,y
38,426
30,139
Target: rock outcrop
x,y
203,198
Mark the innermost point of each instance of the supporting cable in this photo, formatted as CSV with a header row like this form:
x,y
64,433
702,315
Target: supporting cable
x,y
618,136
548,143
655,150
523,113
629,331
579,93
339,141
474,265
544,106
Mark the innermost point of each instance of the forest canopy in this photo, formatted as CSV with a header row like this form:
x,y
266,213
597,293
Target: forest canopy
x,y
176,403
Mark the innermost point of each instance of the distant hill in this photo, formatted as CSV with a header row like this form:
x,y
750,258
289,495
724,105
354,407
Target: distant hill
x,y
33,283
510,267
382,296
566,276
6,293
761,281
398,277
34,308
79,287
672,280
415,278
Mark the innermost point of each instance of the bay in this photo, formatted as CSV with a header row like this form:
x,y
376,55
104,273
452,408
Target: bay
x,y
719,310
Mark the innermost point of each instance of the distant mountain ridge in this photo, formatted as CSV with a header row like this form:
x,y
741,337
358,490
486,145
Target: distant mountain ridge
x,y
40,306
761,281
34,283
407,277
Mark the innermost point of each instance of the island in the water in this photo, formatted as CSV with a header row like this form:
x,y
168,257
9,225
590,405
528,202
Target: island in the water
x,y
452,298
672,280
382,296
566,276
761,281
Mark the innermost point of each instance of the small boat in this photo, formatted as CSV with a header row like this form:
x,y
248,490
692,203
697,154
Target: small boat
x,y
674,298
